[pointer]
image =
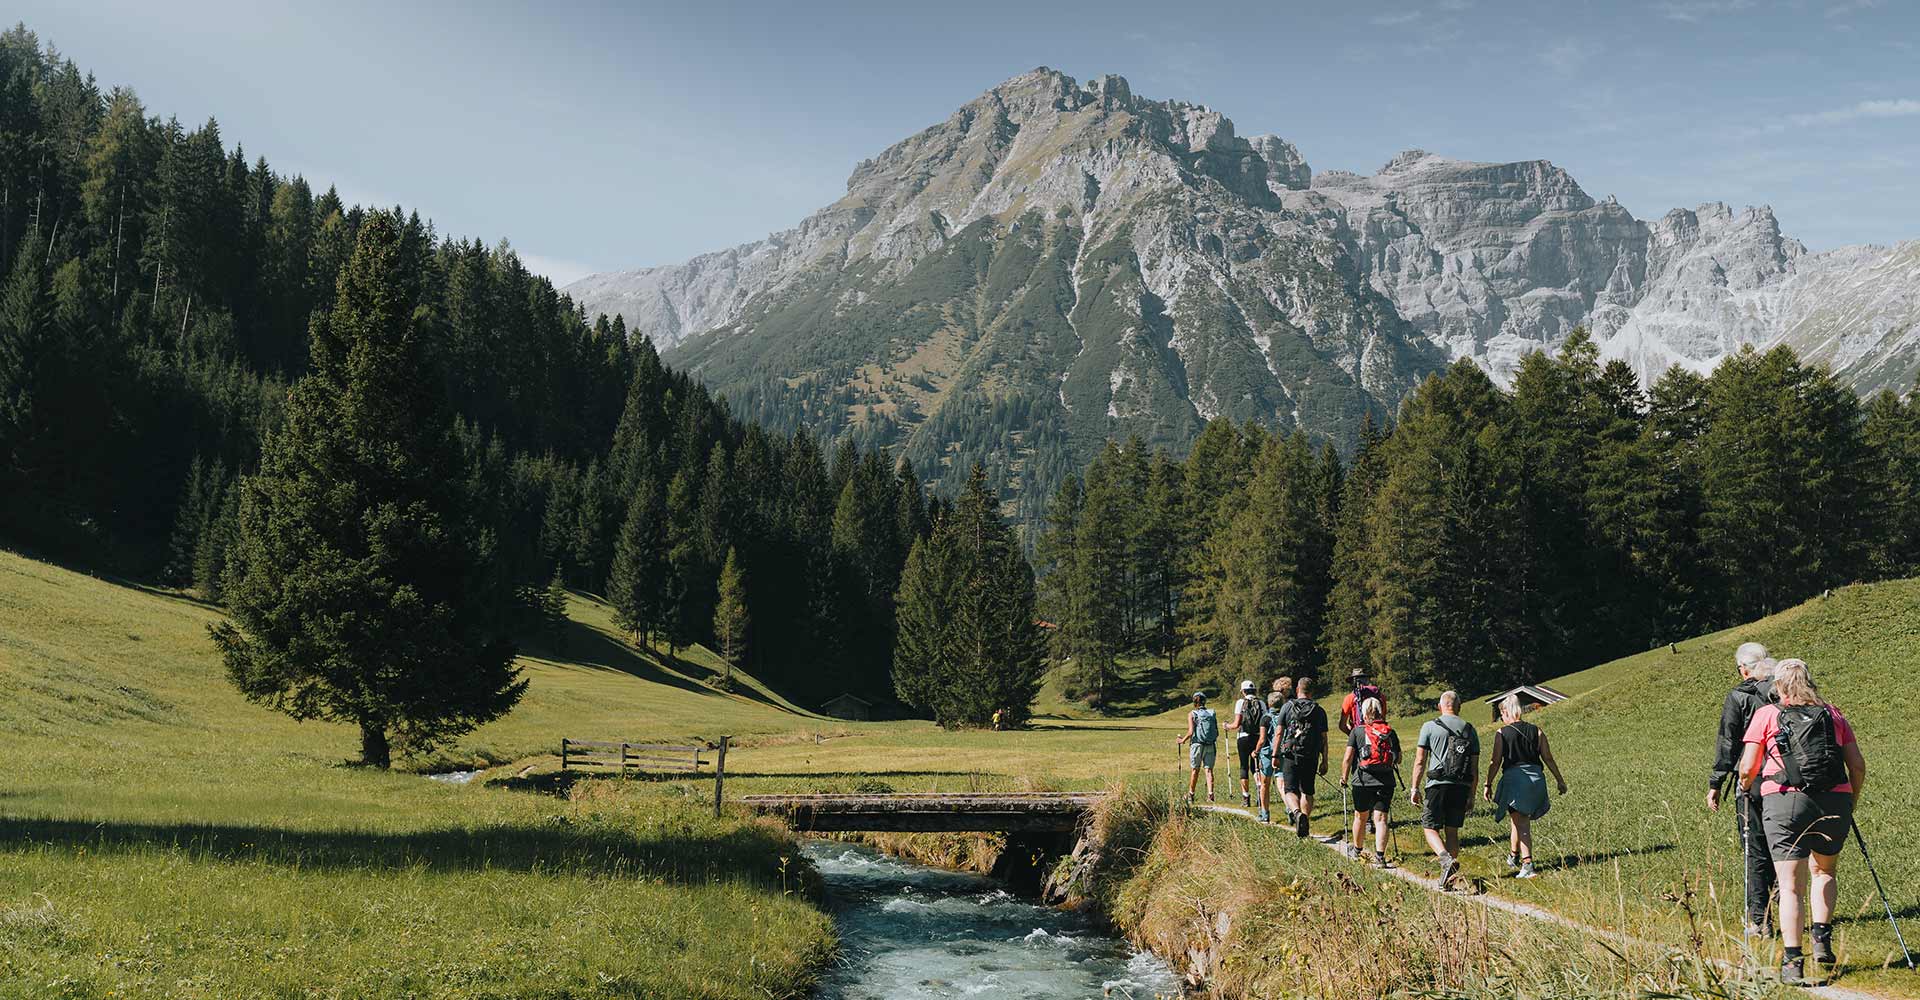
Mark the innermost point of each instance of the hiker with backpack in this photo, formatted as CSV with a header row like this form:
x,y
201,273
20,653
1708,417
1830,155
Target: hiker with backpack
x,y
1519,751
1369,770
1752,693
1203,734
1447,757
1801,755
1263,754
1248,713
1363,688
1302,753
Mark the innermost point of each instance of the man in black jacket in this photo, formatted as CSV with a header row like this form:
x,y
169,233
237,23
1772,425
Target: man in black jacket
x,y
1754,691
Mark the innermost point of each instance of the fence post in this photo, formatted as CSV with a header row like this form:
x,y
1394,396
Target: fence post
x,y
563,753
720,775
623,759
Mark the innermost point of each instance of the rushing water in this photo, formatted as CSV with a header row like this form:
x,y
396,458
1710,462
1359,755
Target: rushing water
x,y
907,932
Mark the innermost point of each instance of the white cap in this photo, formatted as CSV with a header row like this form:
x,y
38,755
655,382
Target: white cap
x,y
1246,686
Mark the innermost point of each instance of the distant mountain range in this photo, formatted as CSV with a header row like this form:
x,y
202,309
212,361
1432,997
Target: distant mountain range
x,y
1115,265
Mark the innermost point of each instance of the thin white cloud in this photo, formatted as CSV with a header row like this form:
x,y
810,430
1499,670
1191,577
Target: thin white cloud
x,y
1567,56
555,269
1905,107
1395,19
1455,6
1700,10
1841,8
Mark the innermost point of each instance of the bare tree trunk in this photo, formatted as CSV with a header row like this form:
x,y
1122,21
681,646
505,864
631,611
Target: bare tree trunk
x,y
374,749
119,234
183,325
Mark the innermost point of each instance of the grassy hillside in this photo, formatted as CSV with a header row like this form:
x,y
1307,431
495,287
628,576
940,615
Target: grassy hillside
x,y
160,837
1633,839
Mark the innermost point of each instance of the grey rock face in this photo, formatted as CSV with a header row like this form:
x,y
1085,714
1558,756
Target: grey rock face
x,y
1146,267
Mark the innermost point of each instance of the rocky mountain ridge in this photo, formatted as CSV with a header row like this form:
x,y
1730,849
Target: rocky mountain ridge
x,y
1117,265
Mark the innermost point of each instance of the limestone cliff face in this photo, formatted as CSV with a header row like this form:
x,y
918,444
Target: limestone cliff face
x,y
1116,265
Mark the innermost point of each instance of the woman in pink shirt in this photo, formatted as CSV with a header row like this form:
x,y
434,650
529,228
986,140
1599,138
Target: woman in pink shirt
x,y
1802,752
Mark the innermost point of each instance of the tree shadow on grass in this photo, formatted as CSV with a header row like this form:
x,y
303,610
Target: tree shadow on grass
x,y
580,644
745,854
1151,688
1575,860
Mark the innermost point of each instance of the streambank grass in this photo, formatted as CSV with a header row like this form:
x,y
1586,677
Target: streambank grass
x,y
1268,915
160,837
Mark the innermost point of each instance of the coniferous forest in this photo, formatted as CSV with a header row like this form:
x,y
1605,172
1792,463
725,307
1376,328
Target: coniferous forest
x,y
173,311
1487,537
170,350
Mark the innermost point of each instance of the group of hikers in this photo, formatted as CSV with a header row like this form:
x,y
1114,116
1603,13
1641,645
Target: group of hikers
x,y
1790,755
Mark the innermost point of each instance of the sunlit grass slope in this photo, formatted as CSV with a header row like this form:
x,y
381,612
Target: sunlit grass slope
x,y
1634,838
161,837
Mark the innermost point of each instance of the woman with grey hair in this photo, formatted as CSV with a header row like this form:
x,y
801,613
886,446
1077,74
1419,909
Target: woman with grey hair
x,y
1519,751
1801,753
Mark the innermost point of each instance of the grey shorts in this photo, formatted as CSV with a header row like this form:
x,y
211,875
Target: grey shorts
x,y
1798,824
1201,755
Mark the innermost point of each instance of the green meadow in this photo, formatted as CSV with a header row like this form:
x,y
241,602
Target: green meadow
x,y
162,837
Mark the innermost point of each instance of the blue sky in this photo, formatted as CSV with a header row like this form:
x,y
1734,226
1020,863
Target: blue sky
x,y
598,136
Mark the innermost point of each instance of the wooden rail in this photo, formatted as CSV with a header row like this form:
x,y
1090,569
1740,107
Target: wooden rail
x,y
929,812
646,757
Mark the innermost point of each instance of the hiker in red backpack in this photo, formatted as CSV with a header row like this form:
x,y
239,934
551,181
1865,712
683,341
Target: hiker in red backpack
x,y
1362,690
1369,768
1801,754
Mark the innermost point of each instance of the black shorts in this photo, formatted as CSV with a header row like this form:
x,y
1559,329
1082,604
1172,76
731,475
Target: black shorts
x,y
1799,824
1243,746
1445,806
1372,798
1298,772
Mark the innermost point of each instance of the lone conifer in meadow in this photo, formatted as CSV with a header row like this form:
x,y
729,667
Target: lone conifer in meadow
x,y
730,618
355,593
968,644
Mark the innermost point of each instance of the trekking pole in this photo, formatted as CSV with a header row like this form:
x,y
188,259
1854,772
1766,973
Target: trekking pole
x,y
1746,868
1862,841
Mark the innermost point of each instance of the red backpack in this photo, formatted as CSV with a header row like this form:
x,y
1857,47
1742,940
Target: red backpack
x,y
1380,750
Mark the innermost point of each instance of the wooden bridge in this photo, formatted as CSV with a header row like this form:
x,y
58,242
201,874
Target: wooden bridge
x,y
937,812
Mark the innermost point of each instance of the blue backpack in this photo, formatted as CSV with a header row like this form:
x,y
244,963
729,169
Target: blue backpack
x,y
1206,725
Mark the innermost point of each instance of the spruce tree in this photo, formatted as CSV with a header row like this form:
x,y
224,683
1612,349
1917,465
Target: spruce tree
x,y
637,584
353,597
730,617
968,642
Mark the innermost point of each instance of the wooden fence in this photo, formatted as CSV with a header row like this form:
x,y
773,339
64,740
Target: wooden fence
x,y
647,757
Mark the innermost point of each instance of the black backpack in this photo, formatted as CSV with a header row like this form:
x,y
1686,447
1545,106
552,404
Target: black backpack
x,y
1454,761
1296,727
1810,756
1253,711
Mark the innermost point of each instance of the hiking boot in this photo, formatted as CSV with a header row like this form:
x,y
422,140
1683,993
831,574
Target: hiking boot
x,y
1209,796
1300,825
1379,860
1822,951
1352,853
1449,867
1246,799
1513,861
1292,817
1526,871
1264,818
1793,972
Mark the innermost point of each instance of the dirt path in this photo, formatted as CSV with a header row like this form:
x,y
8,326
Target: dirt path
x,y
1517,908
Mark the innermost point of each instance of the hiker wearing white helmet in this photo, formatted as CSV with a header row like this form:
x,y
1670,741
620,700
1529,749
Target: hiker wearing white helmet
x,y
1248,713
1753,692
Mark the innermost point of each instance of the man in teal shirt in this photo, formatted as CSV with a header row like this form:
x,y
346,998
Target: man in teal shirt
x,y
1448,754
